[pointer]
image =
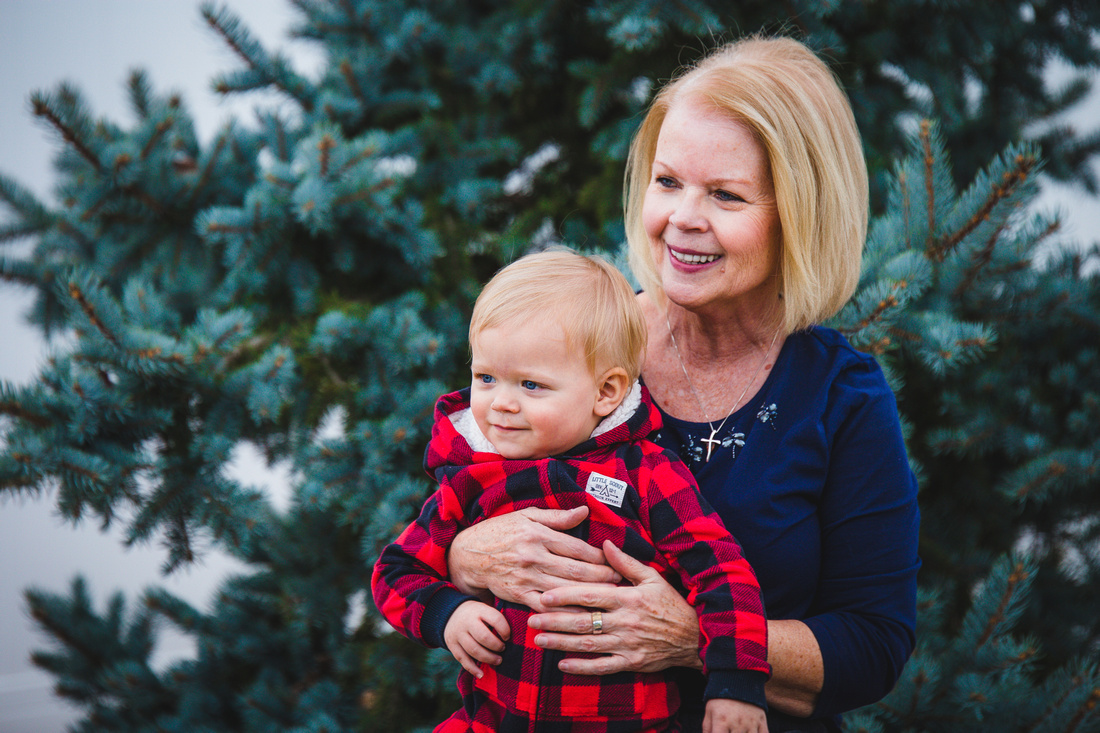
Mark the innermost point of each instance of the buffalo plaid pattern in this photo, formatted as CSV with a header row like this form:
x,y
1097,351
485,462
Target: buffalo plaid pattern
x,y
663,521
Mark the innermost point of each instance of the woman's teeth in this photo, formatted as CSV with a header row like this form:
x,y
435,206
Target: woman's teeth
x,y
692,259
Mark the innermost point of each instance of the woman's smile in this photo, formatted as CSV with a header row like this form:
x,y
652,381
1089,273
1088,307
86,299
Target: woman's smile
x,y
710,200
685,257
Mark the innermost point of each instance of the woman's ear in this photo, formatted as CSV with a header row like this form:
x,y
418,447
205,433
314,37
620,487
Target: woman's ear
x,y
613,387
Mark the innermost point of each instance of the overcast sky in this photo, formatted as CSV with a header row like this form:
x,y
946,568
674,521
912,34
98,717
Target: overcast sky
x,y
94,43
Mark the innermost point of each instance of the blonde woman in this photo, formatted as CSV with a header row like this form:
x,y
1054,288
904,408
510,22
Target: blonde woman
x,y
746,212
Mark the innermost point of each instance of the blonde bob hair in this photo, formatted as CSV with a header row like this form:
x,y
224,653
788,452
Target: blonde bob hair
x,y
585,294
801,117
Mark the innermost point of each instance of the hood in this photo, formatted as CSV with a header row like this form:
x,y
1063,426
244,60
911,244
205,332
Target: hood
x,y
456,439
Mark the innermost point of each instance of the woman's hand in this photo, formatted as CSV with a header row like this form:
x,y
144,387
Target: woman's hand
x,y
647,627
519,556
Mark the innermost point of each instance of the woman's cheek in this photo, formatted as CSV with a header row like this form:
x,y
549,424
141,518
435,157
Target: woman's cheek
x,y
654,219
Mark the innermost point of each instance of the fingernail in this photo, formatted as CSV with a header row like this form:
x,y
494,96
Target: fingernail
x,y
540,640
534,622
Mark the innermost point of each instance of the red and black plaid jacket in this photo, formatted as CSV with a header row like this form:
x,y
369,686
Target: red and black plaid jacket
x,y
640,497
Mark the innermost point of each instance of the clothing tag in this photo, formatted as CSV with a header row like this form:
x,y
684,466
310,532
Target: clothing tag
x,y
608,490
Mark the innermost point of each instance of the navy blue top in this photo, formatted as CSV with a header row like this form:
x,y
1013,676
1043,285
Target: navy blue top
x,y
812,479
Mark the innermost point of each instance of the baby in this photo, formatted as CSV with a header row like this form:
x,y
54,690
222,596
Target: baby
x,y
555,418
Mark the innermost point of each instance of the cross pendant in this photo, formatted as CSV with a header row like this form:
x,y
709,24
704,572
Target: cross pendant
x,y
711,442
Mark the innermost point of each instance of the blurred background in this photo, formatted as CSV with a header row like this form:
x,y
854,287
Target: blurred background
x,y
94,44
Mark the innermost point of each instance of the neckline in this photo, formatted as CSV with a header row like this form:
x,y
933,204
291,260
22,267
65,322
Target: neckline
x,y
736,415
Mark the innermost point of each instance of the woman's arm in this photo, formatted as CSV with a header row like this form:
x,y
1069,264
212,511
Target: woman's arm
x,y
649,626
518,556
797,669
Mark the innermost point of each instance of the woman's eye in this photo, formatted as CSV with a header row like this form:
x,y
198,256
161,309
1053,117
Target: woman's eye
x,y
529,385
664,182
727,196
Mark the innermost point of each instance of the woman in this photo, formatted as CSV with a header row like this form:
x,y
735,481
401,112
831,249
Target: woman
x,y
746,212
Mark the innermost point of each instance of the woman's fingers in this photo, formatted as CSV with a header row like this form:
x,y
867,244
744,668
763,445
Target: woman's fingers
x,y
559,519
633,570
566,621
519,555
646,628
580,561
609,664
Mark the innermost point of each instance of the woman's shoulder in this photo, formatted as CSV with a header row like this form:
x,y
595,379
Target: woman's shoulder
x,y
824,356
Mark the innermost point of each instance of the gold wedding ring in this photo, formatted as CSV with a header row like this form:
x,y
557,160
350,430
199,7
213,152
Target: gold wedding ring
x,y
597,622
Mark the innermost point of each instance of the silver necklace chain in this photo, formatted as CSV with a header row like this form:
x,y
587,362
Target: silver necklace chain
x,y
712,441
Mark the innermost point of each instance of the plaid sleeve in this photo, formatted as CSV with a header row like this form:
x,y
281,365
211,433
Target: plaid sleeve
x,y
722,587
409,583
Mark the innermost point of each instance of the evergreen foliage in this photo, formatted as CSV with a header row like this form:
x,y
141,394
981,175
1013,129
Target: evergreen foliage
x,y
303,286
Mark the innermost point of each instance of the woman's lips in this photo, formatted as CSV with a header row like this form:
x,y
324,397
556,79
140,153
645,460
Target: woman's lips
x,y
690,259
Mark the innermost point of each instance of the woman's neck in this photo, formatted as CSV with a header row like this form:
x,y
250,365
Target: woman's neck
x,y
724,337
702,366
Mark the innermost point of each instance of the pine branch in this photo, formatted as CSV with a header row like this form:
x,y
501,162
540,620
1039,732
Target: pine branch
x,y
141,195
158,133
353,84
364,195
906,206
1053,707
138,86
282,149
16,232
25,203
89,310
980,259
208,169
1018,575
252,53
929,161
1054,470
1087,708
1011,181
14,409
324,147
41,108
884,306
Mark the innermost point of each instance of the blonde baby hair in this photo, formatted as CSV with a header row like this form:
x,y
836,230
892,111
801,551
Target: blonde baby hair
x,y
593,302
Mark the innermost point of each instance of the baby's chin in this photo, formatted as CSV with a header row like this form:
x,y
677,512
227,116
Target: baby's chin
x,y
525,452
515,454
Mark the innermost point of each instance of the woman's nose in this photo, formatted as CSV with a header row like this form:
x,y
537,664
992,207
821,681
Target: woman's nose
x,y
688,214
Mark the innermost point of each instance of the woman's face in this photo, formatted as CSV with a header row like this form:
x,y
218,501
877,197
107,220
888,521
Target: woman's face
x,y
710,212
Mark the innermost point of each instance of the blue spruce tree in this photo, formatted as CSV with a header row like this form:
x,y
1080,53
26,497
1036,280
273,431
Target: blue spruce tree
x,y
317,270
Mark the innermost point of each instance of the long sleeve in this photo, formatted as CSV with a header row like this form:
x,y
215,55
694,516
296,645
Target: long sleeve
x,y
813,481
409,583
864,612
720,583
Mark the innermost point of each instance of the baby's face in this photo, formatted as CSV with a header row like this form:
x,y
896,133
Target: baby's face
x,y
531,394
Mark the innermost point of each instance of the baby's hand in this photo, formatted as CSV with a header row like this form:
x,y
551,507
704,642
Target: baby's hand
x,y
476,632
734,716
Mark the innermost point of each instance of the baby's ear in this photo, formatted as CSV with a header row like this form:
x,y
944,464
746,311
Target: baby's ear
x,y
613,385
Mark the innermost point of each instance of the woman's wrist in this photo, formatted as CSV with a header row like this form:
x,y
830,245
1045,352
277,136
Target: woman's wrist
x,y
461,569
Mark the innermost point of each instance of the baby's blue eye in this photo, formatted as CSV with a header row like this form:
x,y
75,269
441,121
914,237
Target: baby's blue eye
x,y
485,378
528,384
